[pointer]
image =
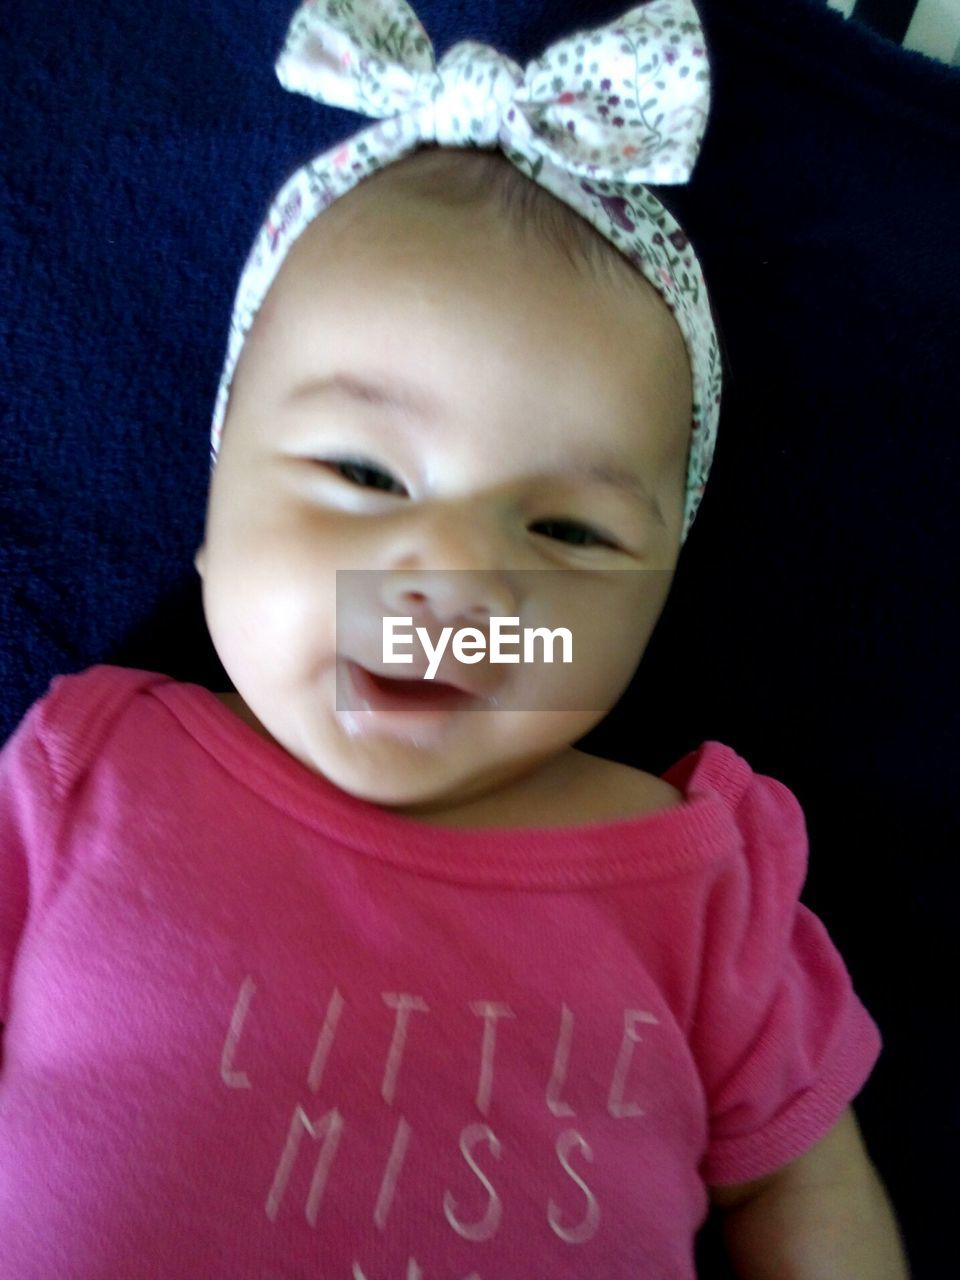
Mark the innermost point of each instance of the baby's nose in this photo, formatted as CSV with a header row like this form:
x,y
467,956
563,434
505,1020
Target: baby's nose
x,y
470,597
451,559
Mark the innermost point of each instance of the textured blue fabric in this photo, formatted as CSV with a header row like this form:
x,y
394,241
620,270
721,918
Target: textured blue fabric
x,y
813,624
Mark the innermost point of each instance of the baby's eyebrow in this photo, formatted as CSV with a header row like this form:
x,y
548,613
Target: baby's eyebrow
x,y
616,478
392,393
373,389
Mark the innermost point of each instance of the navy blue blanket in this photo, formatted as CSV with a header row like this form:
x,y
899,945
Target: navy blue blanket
x,y
813,624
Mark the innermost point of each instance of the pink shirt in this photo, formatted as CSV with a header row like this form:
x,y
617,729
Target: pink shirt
x,y
256,1027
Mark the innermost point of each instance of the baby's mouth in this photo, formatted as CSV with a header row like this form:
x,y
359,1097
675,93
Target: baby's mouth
x,y
377,692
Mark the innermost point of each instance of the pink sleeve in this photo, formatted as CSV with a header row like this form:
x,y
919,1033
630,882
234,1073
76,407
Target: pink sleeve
x,y
781,1038
26,804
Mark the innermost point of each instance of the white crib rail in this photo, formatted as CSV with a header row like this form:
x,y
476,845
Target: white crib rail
x,y
926,26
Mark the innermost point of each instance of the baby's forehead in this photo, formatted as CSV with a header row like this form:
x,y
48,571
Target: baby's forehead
x,y
406,341
396,263
381,232
464,193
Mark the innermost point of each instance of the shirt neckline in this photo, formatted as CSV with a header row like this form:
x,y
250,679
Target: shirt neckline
x,y
671,841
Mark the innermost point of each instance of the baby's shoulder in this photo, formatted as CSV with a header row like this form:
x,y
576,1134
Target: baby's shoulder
x,y
570,790
70,723
607,790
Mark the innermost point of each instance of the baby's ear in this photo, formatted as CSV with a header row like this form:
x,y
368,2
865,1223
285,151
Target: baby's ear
x,y
200,558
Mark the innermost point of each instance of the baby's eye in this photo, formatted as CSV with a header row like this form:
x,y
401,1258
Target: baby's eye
x,y
366,476
573,533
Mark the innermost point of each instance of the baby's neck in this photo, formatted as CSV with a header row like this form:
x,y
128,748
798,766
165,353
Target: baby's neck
x,y
568,790
571,789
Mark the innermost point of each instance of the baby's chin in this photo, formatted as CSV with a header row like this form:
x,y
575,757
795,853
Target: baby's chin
x,y
418,761
414,772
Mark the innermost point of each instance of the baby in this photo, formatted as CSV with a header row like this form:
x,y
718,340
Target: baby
x,y
345,973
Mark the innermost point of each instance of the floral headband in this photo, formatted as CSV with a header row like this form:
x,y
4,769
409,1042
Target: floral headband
x,y
599,114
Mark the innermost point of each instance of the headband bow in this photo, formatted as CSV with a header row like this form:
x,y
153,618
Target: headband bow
x,y
626,103
598,115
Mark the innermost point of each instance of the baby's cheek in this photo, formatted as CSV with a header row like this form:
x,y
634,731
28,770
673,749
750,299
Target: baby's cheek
x,y
291,592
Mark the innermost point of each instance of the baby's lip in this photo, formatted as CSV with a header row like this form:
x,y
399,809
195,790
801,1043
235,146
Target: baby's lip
x,y
414,701
473,682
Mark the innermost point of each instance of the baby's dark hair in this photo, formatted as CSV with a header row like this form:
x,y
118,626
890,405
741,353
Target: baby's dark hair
x,y
473,176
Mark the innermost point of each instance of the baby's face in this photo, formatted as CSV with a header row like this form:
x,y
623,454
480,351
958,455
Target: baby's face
x,y
423,391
